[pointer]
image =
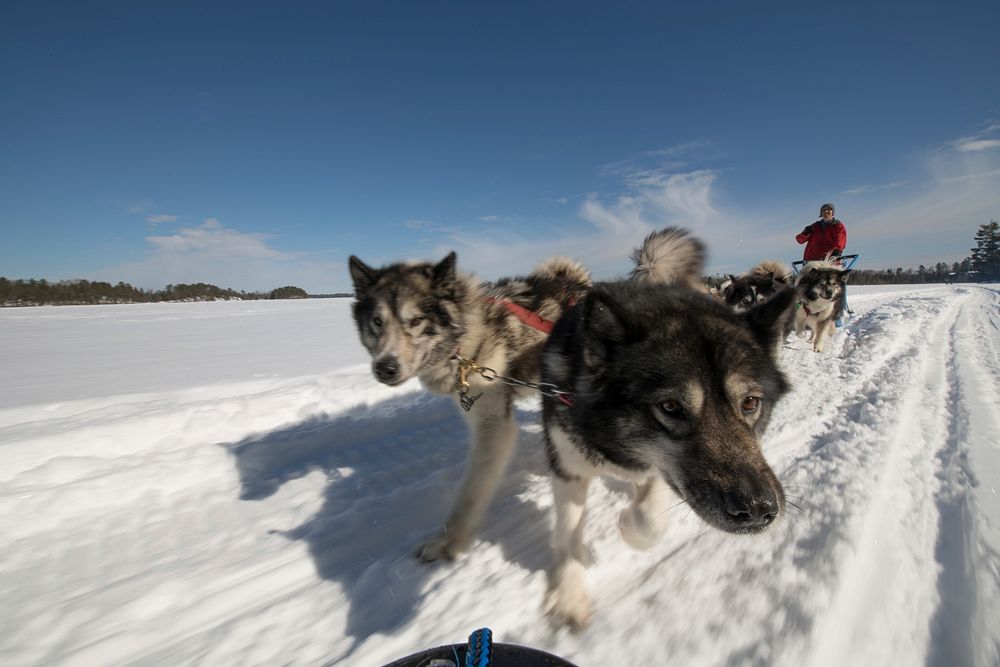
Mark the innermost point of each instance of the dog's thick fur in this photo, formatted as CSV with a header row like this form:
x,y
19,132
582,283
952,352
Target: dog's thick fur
x,y
414,317
756,286
672,391
820,288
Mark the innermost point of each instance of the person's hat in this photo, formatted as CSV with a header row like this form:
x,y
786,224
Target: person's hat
x,y
827,206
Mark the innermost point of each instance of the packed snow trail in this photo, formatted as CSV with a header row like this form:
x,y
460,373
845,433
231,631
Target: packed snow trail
x,y
249,512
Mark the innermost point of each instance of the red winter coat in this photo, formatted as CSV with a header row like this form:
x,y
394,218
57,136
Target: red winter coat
x,y
823,238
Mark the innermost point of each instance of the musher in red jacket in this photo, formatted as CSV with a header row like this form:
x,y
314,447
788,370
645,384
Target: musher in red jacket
x,y
826,235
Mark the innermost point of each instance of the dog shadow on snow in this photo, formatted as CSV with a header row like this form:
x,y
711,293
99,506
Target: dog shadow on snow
x,y
392,471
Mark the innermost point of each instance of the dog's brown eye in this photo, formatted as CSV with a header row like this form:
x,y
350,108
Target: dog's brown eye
x,y
377,321
416,321
672,407
750,404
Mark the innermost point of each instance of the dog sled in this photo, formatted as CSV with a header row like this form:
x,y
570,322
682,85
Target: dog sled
x,y
846,262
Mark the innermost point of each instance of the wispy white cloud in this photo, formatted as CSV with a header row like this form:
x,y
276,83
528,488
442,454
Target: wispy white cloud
x,y
865,189
214,253
966,145
212,239
979,141
615,224
646,167
160,218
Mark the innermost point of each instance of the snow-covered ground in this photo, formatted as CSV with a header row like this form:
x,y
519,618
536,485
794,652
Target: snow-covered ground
x,y
225,484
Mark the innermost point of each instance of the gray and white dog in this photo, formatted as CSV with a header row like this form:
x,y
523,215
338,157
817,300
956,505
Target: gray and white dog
x,y
418,319
820,287
756,286
672,391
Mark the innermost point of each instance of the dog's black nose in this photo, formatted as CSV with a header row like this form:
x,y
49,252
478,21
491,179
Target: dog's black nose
x,y
386,370
751,511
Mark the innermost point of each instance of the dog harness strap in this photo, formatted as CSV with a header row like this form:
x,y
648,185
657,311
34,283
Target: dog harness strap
x,y
528,317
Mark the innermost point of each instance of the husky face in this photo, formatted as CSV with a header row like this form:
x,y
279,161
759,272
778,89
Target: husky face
x,y
739,293
671,381
406,315
744,292
823,283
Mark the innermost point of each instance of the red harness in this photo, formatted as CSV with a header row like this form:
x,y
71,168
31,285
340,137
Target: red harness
x,y
527,317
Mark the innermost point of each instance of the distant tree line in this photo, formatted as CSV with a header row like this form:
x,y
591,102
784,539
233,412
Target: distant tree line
x,y
983,265
67,292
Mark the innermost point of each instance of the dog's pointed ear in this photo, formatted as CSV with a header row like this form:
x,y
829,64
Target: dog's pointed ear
x,y
767,320
444,271
845,273
606,326
363,275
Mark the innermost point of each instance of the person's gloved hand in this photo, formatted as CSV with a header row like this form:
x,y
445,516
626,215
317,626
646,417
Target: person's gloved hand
x,y
836,253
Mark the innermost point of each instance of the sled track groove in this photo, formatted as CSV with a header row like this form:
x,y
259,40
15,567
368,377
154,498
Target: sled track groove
x,y
890,375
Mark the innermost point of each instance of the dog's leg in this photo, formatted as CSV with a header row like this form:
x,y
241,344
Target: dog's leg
x,y
494,434
800,324
819,336
643,523
567,601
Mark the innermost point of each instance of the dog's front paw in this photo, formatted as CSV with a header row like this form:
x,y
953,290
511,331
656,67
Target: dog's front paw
x,y
585,554
566,602
442,547
640,530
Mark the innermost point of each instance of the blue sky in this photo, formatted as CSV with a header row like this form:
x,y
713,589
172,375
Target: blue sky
x,y
254,145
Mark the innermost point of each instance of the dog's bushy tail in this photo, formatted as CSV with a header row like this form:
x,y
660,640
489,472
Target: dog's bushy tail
x,y
779,270
669,256
564,268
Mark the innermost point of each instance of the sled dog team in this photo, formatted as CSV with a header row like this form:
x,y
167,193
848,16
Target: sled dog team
x,y
649,379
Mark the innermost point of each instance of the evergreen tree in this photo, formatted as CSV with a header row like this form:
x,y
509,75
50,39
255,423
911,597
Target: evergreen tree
x,y
985,258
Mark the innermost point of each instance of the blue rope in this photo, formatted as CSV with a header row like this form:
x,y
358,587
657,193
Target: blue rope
x,y
480,651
